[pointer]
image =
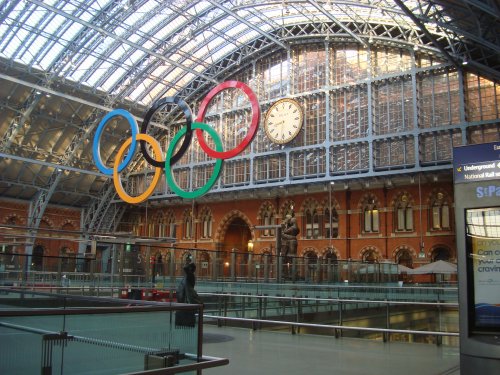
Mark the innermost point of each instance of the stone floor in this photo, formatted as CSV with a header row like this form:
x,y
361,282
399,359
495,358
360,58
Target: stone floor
x,y
271,353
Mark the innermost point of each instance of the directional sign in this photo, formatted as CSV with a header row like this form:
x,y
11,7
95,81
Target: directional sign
x,y
476,162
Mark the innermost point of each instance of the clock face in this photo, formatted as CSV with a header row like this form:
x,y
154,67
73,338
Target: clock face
x,y
283,121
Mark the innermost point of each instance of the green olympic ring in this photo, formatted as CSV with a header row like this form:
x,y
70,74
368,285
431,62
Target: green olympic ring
x,y
218,164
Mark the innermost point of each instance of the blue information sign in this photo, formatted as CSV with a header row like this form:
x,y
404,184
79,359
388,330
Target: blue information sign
x,y
479,162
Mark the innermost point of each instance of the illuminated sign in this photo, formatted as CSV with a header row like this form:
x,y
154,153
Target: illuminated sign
x,y
479,162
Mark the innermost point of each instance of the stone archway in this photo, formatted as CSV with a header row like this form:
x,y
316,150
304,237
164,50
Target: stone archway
x,y
441,252
234,232
236,235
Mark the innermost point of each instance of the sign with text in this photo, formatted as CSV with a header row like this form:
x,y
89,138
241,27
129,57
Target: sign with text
x,y
483,227
479,162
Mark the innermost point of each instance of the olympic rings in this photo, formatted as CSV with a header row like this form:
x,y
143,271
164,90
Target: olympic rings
x,y
97,140
171,158
116,177
253,126
160,104
218,164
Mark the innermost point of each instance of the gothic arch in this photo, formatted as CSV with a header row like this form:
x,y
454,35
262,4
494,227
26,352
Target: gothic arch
x,y
289,203
368,198
226,220
400,248
310,252
436,250
46,221
69,224
403,196
332,250
13,218
404,255
369,249
264,207
325,203
439,194
310,203
186,213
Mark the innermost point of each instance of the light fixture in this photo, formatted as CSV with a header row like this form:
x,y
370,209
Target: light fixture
x,y
250,246
421,254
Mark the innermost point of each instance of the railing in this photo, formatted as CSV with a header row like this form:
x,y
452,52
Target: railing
x,y
47,333
376,319
138,268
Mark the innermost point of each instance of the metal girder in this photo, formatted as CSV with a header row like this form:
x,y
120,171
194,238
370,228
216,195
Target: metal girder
x,y
422,27
53,92
19,121
98,208
111,219
121,39
337,22
50,165
249,24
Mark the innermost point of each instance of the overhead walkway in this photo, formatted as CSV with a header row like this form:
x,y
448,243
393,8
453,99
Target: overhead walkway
x,y
272,353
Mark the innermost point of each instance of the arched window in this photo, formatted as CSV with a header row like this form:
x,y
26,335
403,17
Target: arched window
x,y
168,229
403,214
331,223
311,256
206,222
440,253
370,256
404,258
155,225
370,216
440,218
312,223
160,222
330,255
267,219
188,225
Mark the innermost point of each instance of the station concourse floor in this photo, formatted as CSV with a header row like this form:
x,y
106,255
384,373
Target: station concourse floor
x,y
272,353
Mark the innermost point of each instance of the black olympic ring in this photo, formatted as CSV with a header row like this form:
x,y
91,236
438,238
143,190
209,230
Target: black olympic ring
x,y
160,104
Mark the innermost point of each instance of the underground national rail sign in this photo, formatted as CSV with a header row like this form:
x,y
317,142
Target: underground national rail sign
x,y
476,162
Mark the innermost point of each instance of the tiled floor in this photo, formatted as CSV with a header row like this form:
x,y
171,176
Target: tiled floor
x,y
272,353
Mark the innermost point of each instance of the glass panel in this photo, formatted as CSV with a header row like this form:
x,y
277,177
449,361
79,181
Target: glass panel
x,y
375,220
436,217
409,218
401,218
483,242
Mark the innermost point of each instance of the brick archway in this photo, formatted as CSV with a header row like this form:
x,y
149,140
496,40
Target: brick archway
x,y
226,221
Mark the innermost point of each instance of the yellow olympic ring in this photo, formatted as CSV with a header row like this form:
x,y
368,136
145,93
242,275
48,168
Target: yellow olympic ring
x,y
116,177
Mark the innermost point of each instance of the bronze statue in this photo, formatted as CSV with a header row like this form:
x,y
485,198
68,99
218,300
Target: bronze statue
x,y
289,232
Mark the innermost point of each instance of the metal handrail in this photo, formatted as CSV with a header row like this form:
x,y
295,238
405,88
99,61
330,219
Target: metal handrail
x,y
333,326
322,299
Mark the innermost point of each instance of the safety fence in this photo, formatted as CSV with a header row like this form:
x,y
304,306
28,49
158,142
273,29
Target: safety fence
x,y
48,334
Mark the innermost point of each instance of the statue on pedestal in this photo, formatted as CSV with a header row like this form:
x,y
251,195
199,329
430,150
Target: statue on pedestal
x,y
289,232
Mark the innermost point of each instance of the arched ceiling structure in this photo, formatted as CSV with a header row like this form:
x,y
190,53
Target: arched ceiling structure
x,y
63,63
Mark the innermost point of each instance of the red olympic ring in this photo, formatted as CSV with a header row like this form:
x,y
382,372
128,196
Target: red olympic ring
x,y
253,126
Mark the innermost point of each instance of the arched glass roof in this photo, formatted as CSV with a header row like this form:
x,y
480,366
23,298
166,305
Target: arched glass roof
x,y
140,50
101,54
